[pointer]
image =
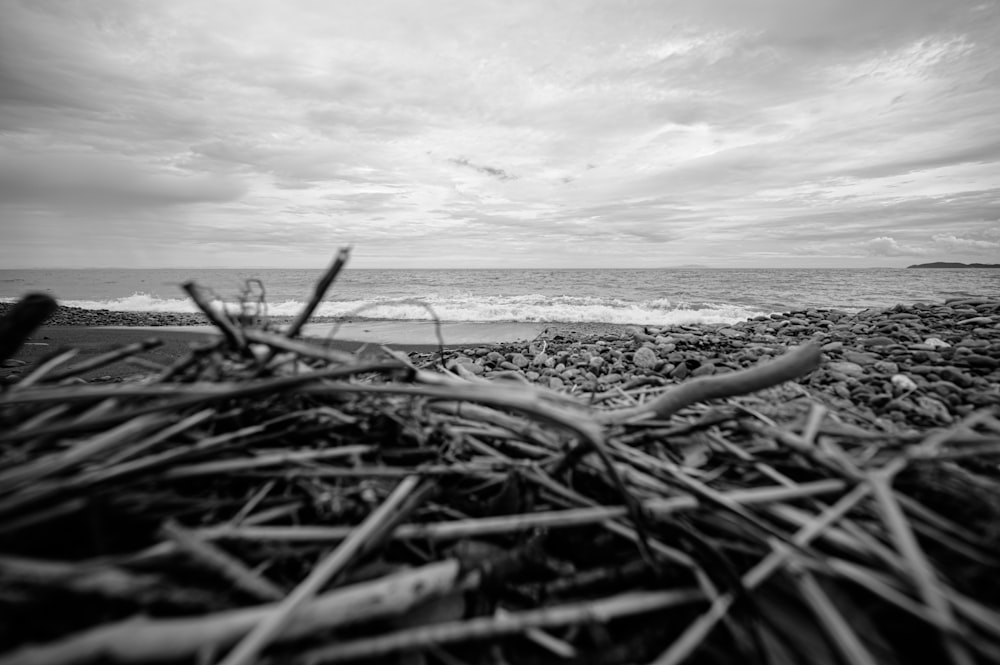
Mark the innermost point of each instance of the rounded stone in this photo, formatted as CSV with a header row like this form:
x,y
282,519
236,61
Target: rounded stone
x,y
860,358
845,368
981,361
704,370
886,367
519,360
878,341
955,376
903,383
645,358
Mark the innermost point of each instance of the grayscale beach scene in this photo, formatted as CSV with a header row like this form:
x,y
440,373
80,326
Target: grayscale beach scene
x,y
487,333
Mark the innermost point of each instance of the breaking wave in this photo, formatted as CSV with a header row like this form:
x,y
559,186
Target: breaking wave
x,y
520,308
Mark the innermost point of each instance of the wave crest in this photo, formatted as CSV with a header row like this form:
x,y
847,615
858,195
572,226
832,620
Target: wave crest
x,y
533,308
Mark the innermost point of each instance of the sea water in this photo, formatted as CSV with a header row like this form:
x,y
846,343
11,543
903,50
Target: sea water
x,y
645,297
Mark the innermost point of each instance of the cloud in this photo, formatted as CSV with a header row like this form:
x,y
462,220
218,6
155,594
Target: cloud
x,y
986,242
70,179
492,171
888,246
662,131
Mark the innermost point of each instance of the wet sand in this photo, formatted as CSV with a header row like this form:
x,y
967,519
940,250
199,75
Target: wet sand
x,y
406,336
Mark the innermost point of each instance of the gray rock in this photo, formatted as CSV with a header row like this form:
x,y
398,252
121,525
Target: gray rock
x,y
860,357
473,367
680,372
902,383
519,360
980,361
878,341
934,409
704,370
845,368
954,375
886,367
645,358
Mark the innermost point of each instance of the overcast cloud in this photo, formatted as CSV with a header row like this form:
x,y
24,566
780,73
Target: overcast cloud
x,y
499,134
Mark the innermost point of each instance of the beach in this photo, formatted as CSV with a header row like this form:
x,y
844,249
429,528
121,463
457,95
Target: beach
x,y
915,365
94,332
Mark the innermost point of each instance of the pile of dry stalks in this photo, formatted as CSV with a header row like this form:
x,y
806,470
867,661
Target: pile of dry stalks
x,y
273,500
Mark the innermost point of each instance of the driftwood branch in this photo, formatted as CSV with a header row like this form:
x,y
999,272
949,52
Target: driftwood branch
x,y
155,640
232,334
791,365
319,292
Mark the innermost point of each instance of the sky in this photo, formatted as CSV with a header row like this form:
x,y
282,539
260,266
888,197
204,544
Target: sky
x,y
516,133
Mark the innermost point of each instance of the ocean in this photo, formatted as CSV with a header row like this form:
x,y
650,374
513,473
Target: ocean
x,y
644,297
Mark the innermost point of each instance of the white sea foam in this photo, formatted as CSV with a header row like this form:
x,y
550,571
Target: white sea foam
x,y
523,308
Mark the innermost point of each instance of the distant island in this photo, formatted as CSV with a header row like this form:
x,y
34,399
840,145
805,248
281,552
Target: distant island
x,y
943,264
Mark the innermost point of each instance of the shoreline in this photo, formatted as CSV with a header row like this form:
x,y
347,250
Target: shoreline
x,y
918,365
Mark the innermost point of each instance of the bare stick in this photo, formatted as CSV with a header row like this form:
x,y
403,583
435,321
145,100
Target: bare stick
x,y
490,628
306,349
507,524
225,564
378,524
791,365
141,640
232,334
322,286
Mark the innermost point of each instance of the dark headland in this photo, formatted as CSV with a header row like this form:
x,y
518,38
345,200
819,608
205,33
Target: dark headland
x,y
945,264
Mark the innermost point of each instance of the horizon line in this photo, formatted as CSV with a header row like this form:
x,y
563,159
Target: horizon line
x,y
678,267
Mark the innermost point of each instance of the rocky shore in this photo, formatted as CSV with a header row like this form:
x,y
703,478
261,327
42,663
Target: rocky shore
x,y
915,365
75,316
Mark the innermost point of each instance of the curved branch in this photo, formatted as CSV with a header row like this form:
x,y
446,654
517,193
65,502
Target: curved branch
x,y
793,364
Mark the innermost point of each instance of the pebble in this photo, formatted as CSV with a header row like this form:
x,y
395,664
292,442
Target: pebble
x,y
903,383
519,360
845,368
860,358
645,358
878,341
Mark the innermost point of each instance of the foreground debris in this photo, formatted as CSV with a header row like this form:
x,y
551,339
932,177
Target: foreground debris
x,y
268,499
